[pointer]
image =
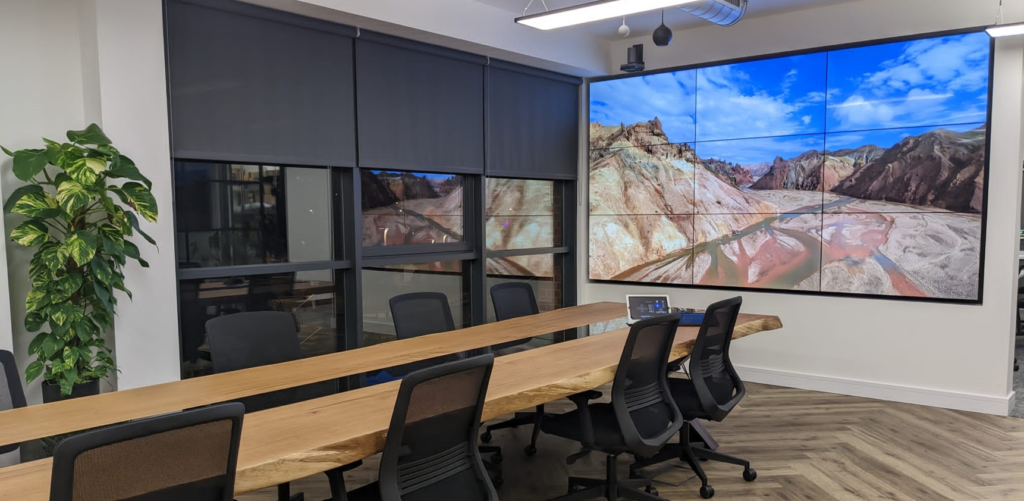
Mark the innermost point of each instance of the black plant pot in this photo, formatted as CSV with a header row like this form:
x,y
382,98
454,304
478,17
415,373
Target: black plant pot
x,y
51,392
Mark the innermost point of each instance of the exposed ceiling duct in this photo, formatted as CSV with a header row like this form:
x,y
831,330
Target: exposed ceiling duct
x,y
720,12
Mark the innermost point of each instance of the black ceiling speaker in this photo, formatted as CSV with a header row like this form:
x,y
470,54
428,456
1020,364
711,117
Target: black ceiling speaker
x,y
662,35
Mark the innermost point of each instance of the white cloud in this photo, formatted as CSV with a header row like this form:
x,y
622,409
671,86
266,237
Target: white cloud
x,y
919,87
806,119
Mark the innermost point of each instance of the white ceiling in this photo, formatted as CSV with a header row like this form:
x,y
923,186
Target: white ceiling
x,y
645,23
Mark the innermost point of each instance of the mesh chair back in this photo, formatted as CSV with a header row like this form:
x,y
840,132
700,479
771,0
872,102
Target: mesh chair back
x,y
190,455
12,396
718,386
644,408
254,339
513,300
430,452
421,313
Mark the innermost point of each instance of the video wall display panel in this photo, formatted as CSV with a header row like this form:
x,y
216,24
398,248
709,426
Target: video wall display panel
x,y
852,171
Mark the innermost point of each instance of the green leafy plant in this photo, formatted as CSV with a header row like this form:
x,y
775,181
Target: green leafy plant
x,y
80,233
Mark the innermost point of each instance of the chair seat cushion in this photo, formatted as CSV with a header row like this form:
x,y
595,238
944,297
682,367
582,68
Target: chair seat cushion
x,y
685,395
607,436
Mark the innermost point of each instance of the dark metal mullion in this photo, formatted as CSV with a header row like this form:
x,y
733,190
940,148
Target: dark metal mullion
x,y
478,213
353,278
528,252
260,269
370,262
412,249
569,259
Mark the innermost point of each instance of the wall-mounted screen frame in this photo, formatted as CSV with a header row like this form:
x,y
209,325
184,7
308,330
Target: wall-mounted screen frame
x,y
753,224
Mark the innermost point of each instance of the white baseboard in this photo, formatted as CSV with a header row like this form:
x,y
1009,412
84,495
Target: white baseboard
x,y
907,394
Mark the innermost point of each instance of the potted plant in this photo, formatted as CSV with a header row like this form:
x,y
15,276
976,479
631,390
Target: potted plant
x,y
79,223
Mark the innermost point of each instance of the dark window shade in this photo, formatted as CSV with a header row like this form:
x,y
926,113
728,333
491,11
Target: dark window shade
x,y
532,123
253,85
419,110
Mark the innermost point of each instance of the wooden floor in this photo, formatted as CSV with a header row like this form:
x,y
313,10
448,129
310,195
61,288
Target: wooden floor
x,y
805,446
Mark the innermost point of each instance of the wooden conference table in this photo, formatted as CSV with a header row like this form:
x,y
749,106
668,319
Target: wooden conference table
x,y
306,438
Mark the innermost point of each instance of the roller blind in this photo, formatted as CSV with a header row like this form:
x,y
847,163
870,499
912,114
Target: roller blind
x,y
250,84
532,123
420,107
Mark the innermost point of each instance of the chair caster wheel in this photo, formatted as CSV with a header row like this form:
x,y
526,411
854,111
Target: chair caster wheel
x,y
530,450
707,492
750,474
651,490
497,458
486,437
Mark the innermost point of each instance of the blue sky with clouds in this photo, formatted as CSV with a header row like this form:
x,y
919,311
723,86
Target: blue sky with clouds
x,y
933,81
925,82
758,150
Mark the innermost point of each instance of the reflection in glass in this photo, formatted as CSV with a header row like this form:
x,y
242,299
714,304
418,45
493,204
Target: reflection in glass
x,y
543,273
522,214
309,296
411,208
381,283
229,215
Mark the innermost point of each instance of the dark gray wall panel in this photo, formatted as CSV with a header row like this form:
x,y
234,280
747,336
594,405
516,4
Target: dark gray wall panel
x,y
418,110
253,85
532,123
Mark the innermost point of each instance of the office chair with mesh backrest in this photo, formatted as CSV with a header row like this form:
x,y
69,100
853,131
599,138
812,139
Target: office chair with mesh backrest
x,y
711,393
188,455
12,396
513,300
254,339
640,419
430,453
423,313
419,314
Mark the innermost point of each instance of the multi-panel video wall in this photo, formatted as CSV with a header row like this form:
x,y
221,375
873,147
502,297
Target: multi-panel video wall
x,y
852,171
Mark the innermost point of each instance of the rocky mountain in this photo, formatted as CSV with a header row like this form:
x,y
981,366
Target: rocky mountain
x,y
941,169
758,170
859,157
376,193
799,173
729,172
642,198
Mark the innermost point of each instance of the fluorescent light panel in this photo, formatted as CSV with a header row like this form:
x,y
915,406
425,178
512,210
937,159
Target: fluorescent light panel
x,y
1006,30
594,11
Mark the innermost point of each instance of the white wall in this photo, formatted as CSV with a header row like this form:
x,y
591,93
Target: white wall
x,y
72,62
41,95
945,355
133,108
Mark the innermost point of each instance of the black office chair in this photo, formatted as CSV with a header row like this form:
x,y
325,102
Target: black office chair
x,y
423,313
12,396
419,314
429,453
640,419
513,300
254,339
189,455
711,393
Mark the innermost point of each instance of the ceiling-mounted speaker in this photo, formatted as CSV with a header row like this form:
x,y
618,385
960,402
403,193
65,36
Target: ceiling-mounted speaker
x,y
662,35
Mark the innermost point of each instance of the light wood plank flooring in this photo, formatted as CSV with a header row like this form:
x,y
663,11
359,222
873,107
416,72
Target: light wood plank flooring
x,y
805,446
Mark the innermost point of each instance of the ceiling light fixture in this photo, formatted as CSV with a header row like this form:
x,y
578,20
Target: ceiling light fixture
x,y
593,11
1004,30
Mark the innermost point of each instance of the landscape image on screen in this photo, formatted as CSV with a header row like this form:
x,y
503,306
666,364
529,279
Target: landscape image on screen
x,y
411,208
855,171
521,215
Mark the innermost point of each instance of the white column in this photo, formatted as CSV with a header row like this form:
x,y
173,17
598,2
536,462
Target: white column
x,y
133,110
